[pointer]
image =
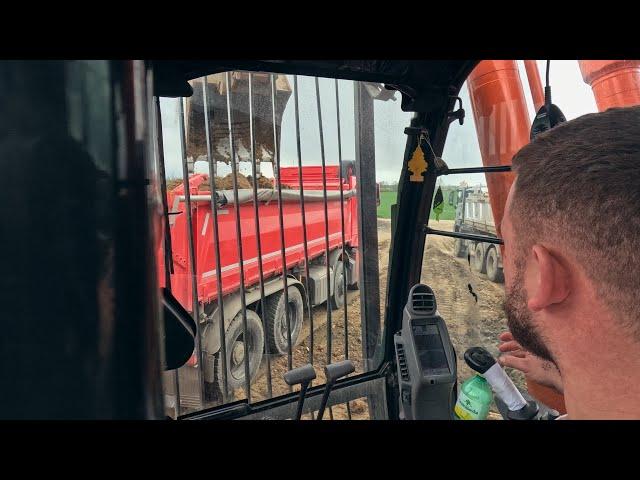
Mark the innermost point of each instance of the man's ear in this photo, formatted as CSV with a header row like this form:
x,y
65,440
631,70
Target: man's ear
x,y
552,283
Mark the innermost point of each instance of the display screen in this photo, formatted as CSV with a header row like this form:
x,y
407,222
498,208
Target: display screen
x,y
430,349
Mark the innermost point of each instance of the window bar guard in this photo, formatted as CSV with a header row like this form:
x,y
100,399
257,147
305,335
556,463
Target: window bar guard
x,y
216,243
304,218
234,175
192,258
257,226
276,154
326,226
168,260
344,269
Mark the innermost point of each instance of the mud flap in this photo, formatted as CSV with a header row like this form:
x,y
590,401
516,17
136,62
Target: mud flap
x,y
353,269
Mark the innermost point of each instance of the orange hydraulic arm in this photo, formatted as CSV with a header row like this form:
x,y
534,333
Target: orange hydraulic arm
x,y
535,84
503,126
615,83
502,123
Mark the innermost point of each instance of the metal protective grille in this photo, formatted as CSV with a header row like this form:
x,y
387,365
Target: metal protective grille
x,y
278,255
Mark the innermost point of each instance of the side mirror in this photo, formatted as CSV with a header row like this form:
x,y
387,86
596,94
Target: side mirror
x,y
452,194
179,332
377,194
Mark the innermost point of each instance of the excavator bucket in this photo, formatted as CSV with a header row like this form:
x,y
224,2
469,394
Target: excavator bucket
x,y
218,113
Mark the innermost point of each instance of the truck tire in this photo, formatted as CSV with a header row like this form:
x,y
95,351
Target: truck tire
x,y
479,262
236,349
337,299
459,248
275,320
494,272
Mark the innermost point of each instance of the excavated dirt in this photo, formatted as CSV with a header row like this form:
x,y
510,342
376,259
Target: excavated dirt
x,y
263,182
226,183
173,183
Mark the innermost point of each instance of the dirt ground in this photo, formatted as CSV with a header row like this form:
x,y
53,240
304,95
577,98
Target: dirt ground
x,y
358,409
470,322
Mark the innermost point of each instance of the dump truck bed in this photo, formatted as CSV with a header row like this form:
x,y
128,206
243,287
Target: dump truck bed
x,y
268,215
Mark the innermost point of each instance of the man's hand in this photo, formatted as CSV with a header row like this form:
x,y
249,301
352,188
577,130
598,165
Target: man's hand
x,y
539,370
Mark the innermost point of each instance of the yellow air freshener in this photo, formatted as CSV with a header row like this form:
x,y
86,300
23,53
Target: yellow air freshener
x,y
417,165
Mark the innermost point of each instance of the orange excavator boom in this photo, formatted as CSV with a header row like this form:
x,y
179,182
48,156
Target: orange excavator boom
x,y
503,125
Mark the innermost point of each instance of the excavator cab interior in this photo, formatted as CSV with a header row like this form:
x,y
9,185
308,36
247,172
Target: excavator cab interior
x,y
111,312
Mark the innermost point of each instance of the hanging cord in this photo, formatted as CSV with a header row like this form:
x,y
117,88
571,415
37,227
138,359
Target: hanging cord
x,y
426,140
548,65
441,165
547,88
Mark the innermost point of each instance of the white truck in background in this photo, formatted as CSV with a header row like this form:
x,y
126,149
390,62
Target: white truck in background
x,y
474,215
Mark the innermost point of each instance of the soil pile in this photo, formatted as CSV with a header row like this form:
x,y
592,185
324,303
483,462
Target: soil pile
x,y
226,183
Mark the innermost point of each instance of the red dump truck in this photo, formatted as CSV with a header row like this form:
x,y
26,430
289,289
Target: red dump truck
x,y
268,325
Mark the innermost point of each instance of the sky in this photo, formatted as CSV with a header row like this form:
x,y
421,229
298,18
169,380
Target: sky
x,y
570,93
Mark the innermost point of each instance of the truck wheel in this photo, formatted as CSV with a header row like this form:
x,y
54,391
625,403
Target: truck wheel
x,y
275,320
459,248
494,272
479,264
337,299
237,348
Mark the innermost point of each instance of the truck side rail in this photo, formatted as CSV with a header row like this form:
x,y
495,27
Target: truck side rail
x,y
465,236
226,197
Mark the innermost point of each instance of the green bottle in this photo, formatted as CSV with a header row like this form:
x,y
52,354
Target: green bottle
x,y
474,399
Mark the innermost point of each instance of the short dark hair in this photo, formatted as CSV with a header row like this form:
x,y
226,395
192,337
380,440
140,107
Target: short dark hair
x,y
578,187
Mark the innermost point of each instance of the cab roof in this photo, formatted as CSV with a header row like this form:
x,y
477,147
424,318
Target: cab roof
x,y
424,84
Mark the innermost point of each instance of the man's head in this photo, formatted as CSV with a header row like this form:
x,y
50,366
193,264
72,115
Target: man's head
x,y
572,231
